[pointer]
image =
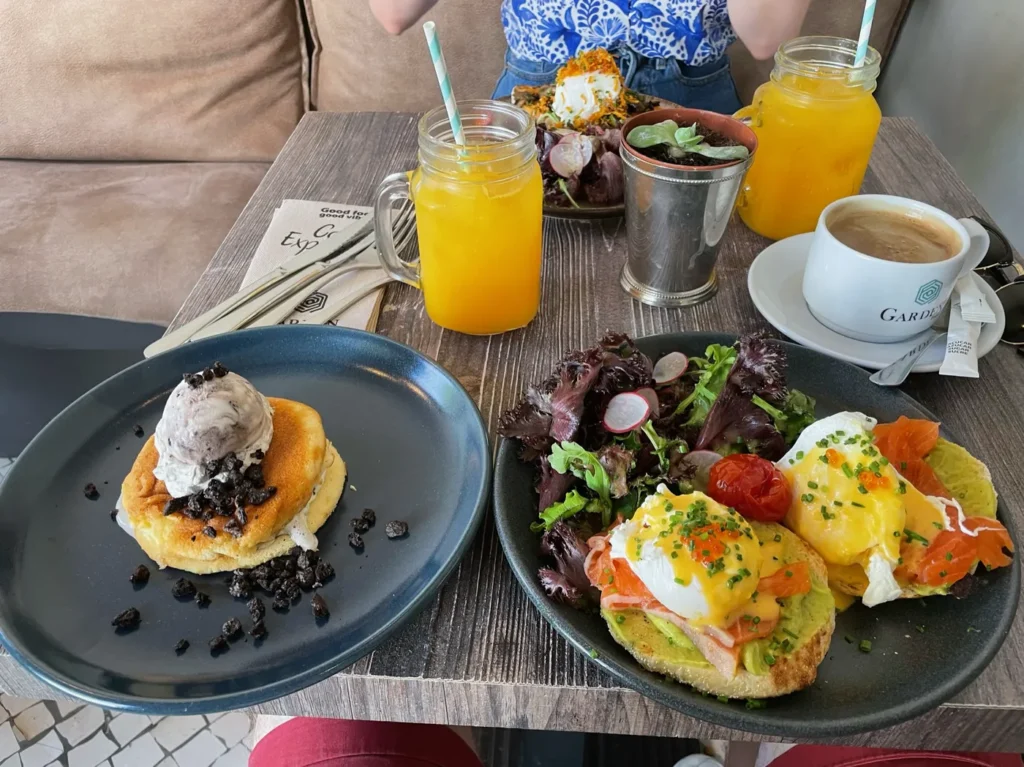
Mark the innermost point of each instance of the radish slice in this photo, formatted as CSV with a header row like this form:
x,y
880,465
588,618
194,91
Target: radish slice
x,y
670,367
651,396
701,461
625,412
571,154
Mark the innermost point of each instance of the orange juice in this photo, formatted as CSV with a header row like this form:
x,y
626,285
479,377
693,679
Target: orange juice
x,y
480,244
479,214
816,122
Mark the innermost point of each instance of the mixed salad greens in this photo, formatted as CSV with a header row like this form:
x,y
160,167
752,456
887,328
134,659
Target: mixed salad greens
x,y
610,425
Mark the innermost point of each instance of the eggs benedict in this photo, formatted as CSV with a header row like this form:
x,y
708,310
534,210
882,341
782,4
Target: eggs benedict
x,y
693,590
881,537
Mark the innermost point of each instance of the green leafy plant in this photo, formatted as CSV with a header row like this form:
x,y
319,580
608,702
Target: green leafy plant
x,y
681,141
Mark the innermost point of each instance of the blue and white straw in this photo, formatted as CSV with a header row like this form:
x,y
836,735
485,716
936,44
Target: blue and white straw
x,y
441,70
865,33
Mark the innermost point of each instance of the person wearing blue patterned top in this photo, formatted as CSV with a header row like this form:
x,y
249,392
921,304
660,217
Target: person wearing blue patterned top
x,y
672,49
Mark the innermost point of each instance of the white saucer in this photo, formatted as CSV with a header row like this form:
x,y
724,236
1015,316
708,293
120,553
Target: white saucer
x,y
775,282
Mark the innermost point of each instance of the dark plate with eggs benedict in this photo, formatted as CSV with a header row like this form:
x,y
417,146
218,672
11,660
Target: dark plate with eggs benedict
x,y
885,664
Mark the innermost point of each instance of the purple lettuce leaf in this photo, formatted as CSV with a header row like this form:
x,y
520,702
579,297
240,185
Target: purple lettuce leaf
x,y
565,545
552,486
623,367
607,186
557,587
575,379
759,370
529,422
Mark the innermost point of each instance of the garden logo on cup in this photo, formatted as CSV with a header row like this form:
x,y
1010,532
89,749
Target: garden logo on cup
x,y
928,292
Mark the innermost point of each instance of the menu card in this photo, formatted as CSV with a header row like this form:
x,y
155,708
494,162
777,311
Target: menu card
x,y
350,300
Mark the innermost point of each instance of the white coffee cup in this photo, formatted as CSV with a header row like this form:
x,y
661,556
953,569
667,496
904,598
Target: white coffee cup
x,y
872,299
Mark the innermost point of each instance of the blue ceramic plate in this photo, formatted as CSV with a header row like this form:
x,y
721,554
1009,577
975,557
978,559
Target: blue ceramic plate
x,y
416,450
906,673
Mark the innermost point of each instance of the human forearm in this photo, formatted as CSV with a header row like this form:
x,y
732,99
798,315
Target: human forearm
x,y
763,25
396,16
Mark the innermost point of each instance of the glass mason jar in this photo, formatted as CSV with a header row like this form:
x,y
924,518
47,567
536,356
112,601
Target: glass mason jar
x,y
816,122
478,219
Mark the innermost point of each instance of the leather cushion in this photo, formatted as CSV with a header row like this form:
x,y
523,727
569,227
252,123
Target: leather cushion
x,y
129,80
120,240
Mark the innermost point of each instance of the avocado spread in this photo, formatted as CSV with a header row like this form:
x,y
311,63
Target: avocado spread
x,y
801,617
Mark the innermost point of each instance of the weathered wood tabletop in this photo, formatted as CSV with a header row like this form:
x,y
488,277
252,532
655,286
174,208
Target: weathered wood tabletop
x,y
480,654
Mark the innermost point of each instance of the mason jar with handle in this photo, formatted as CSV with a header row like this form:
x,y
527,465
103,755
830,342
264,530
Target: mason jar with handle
x,y
816,121
478,219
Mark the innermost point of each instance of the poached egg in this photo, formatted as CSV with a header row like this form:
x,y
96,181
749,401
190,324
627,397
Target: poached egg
x,y
698,558
853,507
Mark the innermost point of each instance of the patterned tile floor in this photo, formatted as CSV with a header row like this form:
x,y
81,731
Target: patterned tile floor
x,y
44,733
47,734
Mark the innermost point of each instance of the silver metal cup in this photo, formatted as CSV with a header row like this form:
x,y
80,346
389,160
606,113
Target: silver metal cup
x,y
675,219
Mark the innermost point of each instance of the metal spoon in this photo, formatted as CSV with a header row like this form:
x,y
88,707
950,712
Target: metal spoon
x,y
897,372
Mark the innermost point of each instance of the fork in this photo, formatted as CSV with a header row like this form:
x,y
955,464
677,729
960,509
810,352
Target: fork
x,y
405,228
303,281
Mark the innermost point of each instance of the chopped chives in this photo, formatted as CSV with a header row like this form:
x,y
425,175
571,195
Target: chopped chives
x,y
812,485
912,536
753,704
865,645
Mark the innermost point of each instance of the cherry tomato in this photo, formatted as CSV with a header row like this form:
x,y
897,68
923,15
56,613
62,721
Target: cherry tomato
x,y
752,486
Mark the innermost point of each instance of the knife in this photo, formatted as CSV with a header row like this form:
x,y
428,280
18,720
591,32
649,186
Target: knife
x,y
259,286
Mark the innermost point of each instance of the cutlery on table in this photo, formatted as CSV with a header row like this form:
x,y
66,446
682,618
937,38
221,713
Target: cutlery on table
x,y
368,259
281,301
257,287
896,373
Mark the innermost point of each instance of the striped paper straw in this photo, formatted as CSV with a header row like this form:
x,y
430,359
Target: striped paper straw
x,y
441,70
865,32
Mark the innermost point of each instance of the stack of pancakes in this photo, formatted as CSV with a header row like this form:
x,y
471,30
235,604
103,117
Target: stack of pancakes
x,y
303,466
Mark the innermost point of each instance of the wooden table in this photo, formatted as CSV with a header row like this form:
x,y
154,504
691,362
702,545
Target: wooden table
x,y
480,654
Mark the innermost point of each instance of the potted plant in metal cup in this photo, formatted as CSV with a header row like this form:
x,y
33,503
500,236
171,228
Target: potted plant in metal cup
x,y
683,169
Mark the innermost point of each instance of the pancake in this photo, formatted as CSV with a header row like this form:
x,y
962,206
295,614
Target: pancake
x,y
298,460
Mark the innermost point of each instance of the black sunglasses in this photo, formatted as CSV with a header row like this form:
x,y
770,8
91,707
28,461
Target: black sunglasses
x,y
994,266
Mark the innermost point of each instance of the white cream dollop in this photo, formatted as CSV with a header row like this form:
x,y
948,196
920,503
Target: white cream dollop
x,y
582,96
206,423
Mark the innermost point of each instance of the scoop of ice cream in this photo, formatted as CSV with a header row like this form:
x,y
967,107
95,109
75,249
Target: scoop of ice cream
x,y
205,422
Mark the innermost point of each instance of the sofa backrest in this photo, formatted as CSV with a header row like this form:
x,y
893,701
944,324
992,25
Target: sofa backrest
x,y
131,80
357,66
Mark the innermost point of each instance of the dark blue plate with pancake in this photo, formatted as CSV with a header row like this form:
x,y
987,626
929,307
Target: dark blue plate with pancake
x,y
907,672
416,449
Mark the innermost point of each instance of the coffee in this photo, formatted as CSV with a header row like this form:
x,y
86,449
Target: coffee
x,y
893,235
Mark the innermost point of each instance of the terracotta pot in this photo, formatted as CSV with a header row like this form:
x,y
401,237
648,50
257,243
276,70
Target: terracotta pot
x,y
724,124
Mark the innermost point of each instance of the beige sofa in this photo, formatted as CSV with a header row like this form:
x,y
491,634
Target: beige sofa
x,y
132,134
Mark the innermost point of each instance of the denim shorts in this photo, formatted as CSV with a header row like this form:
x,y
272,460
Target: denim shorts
x,y
708,86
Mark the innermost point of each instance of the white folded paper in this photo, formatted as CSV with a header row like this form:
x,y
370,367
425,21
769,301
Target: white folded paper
x,y
961,343
350,300
973,304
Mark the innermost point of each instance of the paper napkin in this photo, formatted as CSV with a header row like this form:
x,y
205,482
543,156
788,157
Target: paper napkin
x,y
350,300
